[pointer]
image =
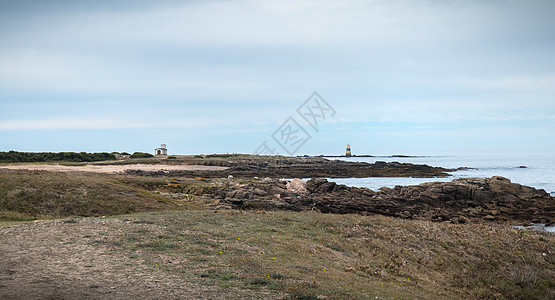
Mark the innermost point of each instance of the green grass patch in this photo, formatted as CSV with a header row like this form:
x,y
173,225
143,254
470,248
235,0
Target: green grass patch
x,y
9,215
27,195
311,255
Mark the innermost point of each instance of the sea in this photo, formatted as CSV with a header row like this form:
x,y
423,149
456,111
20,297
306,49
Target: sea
x,y
535,169
531,168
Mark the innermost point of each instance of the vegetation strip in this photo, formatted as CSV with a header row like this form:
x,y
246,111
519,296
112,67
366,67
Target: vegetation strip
x,y
276,255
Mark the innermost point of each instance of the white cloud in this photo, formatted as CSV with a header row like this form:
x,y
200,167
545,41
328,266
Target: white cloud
x,y
67,124
239,64
199,123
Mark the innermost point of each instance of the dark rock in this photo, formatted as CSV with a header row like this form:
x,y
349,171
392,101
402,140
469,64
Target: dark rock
x,y
489,218
301,167
313,184
260,192
326,187
460,201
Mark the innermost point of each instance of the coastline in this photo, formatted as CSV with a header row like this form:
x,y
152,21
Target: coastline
x,y
183,229
404,190
539,172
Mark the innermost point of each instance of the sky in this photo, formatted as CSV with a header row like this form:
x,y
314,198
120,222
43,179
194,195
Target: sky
x,y
391,77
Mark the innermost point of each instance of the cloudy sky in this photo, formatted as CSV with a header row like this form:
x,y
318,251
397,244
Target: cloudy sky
x,y
222,76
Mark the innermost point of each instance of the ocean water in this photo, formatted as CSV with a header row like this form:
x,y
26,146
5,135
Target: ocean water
x,y
539,172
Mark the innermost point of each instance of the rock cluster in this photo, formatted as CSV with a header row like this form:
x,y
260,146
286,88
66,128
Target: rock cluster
x,y
459,201
294,167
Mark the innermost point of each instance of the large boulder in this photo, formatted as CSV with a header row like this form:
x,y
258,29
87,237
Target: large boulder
x,y
297,186
326,187
314,183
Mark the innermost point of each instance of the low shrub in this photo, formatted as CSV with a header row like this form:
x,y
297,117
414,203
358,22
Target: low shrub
x,y
141,155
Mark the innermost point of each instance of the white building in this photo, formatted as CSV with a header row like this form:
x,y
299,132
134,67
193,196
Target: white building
x,y
161,151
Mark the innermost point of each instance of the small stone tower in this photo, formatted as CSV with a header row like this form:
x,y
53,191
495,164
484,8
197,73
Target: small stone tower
x,y
348,152
161,151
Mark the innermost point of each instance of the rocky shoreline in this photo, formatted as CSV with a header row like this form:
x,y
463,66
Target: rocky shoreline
x,y
253,182
468,200
293,167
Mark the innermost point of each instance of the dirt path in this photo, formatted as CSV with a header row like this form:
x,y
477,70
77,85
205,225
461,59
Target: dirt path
x,y
58,260
114,168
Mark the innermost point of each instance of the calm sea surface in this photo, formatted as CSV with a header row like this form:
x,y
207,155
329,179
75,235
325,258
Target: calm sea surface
x,y
539,171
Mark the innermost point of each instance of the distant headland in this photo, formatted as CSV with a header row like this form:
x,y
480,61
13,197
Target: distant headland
x,y
368,155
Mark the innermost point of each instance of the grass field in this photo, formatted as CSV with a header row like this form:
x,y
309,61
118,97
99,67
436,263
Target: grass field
x,y
251,254
299,255
29,195
319,255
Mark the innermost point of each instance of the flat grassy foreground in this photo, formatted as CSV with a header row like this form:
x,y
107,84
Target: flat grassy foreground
x,y
119,237
274,255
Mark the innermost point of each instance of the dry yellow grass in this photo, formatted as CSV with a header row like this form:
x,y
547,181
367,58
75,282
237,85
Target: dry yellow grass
x,y
272,255
181,252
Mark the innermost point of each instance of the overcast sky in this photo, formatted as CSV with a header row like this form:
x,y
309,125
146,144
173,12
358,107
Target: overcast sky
x,y
222,76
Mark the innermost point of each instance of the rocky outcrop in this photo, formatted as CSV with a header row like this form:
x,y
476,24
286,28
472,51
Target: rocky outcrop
x,y
458,201
296,167
494,199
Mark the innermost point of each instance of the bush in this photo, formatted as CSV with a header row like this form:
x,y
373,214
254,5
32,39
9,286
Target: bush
x,y
14,156
220,155
141,155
